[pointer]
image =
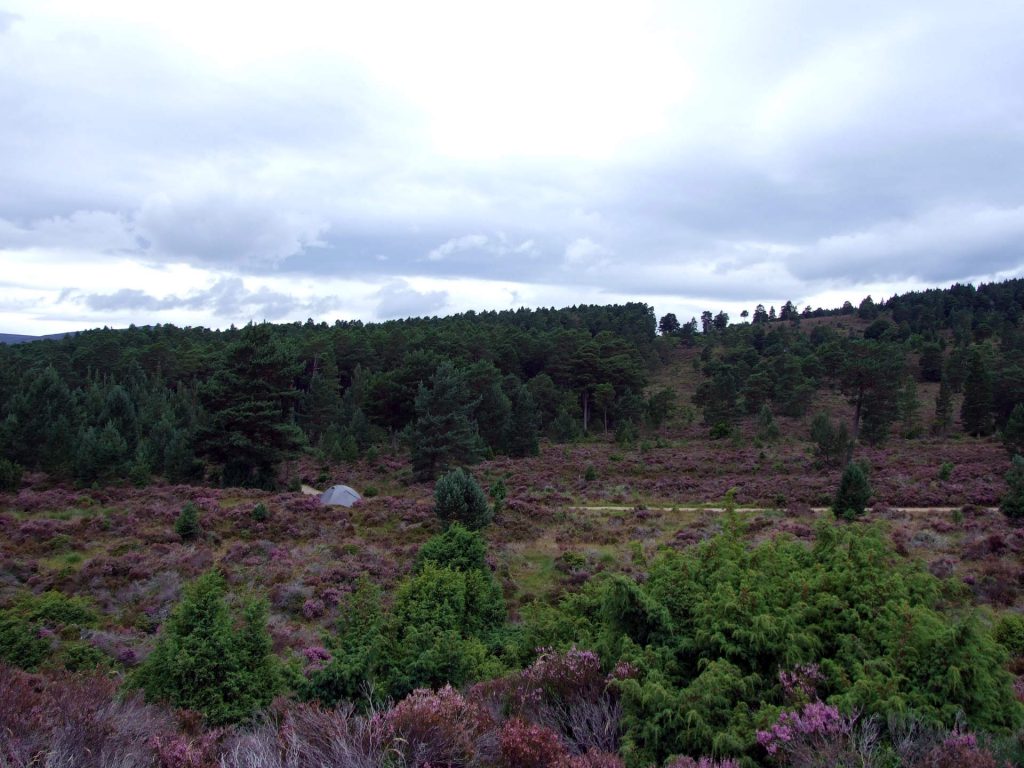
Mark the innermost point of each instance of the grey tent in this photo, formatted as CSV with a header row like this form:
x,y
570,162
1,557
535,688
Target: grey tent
x,y
339,494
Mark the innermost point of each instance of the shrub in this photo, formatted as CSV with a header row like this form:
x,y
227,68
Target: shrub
x,y
831,442
720,430
459,498
1009,632
817,735
10,475
203,662
457,548
945,471
436,728
20,643
1012,504
590,473
260,513
527,745
854,492
187,524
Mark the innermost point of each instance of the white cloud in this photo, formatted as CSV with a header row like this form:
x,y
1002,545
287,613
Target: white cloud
x,y
457,245
585,252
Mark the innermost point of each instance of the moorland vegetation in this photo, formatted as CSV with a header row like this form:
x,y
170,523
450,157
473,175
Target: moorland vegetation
x,y
588,538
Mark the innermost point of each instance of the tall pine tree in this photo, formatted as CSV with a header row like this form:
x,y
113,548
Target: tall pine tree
x,y
250,402
444,435
976,411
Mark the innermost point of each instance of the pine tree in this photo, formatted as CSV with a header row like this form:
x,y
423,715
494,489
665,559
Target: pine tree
x,y
831,442
767,429
943,409
910,409
1013,432
1012,504
854,492
976,411
459,498
187,524
521,435
443,434
201,662
250,401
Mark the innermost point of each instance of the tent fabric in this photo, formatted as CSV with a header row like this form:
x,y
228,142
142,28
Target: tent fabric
x,y
340,495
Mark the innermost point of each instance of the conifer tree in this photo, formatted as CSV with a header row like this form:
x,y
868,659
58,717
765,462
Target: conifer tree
x,y
187,524
1013,432
250,400
1012,504
459,498
443,434
201,662
767,429
943,409
854,492
976,411
521,435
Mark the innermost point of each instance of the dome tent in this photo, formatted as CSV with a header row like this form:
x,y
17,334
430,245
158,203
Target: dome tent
x,y
341,495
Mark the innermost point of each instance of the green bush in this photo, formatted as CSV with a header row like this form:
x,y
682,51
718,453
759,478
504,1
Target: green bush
x,y
10,476
187,524
207,661
1009,632
854,492
1012,504
457,548
20,643
459,498
590,473
259,513
946,470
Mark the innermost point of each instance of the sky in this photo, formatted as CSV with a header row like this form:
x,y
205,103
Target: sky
x,y
214,163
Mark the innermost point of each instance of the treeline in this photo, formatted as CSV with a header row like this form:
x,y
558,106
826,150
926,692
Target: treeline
x,y
180,403
968,340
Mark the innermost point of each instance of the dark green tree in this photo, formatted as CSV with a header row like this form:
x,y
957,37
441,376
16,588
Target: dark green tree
x,y
355,650
869,377
831,441
943,409
976,410
909,406
457,548
854,492
250,403
1012,504
521,434
444,433
767,429
1013,432
668,325
187,524
458,498
930,363
203,661
10,476
659,407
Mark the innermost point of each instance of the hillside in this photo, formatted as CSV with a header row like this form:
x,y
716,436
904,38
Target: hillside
x,y
678,563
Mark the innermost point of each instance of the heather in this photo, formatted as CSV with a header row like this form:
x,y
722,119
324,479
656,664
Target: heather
x,y
616,549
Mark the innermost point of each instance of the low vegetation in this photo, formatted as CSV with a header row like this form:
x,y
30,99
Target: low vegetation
x,y
582,544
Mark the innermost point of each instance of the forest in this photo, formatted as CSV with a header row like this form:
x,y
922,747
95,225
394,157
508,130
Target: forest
x,y
589,537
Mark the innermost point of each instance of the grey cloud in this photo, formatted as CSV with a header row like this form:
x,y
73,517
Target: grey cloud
x,y
228,298
830,145
102,231
227,228
398,299
943,244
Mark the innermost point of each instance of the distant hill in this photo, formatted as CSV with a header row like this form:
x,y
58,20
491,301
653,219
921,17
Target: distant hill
x,y
18,338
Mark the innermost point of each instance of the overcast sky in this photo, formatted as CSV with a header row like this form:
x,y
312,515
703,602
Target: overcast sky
x,y
209,163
